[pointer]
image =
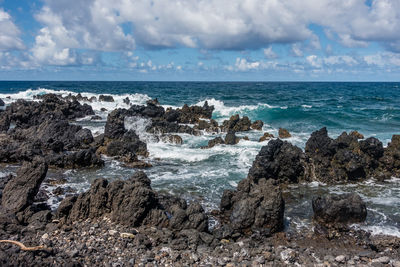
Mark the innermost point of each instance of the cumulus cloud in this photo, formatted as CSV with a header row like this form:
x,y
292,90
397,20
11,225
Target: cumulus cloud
x,y
269,53
9,33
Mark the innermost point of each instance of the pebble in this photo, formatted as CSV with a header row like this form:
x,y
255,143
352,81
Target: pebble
x,y
340,258
384,260
45,236
112,232
396,264
127,235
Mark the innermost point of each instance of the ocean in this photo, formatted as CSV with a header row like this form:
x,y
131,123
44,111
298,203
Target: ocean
x,y
202,174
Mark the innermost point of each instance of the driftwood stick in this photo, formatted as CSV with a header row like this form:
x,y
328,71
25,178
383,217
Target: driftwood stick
x,y
22,246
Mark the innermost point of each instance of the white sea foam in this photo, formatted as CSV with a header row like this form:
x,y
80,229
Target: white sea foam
x,y
138,99
225,111
306,106
139,125
379,230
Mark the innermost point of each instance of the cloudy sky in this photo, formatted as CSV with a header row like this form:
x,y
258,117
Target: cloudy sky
x,y
277,40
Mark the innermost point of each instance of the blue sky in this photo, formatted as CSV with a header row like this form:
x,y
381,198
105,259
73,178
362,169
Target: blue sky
x,y
262,40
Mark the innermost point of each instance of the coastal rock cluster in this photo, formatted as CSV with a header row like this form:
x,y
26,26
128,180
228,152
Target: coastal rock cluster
x,y
40,134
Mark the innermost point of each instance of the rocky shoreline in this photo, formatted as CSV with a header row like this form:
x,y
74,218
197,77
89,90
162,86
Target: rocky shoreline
x,y
127,223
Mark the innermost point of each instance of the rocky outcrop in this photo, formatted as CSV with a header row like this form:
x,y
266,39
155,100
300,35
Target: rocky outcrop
x,y
76,159
236,124
281,161
190,114
21,190
106,98
257,125
265,137
52,107
283,133
132,203
253,207
4,122
128,145
356,134
231,138
345,158
338,211
391,157
2,103
210,126
213,142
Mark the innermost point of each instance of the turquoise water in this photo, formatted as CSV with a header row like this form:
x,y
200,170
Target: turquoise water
x,y
197,174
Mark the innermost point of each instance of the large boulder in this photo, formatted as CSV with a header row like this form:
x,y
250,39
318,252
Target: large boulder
x,y
132,203
236,124
2,103
338,211
115,125
21,190
283,133
231,138
128,146
257,125
106,98
280,161
253,207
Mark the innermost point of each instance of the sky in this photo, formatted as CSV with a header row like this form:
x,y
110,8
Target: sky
x,y
200,40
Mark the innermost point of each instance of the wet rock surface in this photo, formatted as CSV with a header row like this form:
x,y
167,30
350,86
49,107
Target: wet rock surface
x,y
280,160
20,190
339,211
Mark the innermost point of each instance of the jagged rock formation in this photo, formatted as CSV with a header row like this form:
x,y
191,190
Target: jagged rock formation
x,y
133,203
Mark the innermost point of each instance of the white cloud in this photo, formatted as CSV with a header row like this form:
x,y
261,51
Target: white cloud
x,y
242,64
296,50
314,61
269,53
336,60
9,33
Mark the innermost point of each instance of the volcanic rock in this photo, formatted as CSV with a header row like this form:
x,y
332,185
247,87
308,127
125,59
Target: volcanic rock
x,y
280,161
257,125
132,203
265,137
213,142
253,207
231,138
236,124
283,133
106,98
52,107
21,190
336,211
172,138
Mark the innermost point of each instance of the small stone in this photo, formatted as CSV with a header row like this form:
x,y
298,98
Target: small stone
x,y
384,260
45,236
340,258
396,264
127,235
224,241
112,232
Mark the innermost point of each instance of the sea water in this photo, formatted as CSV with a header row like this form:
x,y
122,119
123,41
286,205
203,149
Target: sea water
x,y
202,174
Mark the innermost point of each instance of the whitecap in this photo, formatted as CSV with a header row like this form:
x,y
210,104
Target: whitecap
x,y
222,110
